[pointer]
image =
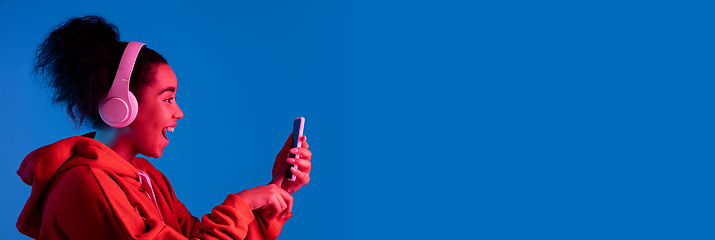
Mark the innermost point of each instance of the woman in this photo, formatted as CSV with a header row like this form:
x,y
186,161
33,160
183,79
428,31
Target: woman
x,y
93,186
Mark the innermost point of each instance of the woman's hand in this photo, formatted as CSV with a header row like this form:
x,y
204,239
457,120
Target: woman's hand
x,y
276,201
282,163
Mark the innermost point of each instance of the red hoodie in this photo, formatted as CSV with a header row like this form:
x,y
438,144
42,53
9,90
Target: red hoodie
x,y
81,189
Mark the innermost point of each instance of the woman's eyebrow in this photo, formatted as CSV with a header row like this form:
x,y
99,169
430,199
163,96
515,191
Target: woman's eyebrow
x,y
168,89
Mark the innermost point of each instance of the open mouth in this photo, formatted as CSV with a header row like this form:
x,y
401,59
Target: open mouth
x,y
163,132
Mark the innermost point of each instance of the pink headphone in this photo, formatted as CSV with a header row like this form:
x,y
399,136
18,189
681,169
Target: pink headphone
x,y
119,108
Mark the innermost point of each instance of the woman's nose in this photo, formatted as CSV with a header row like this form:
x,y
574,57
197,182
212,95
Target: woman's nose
x,y
178,114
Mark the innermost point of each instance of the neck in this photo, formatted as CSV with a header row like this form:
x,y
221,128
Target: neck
x,y
114,139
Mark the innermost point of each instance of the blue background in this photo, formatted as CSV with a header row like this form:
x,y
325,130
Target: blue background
x,y
509,120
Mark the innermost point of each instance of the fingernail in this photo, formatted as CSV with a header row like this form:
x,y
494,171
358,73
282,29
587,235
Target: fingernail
x,y
290,160
294,150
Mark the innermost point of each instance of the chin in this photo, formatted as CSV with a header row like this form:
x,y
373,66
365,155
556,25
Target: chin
x,y
156,151
154,154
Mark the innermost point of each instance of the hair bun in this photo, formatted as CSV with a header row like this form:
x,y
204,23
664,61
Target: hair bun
x,y
77,59
82,38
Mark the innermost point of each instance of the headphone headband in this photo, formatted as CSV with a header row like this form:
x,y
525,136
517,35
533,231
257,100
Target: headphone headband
x,y
120,87
119,108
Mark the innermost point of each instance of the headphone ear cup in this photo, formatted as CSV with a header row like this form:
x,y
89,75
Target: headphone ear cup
x,y
114,111
118,112
133,108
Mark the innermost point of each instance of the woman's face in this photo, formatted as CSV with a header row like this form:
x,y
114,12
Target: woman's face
x,y
158,112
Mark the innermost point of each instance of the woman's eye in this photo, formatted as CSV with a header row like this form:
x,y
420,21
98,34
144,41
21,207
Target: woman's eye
x,y
169,100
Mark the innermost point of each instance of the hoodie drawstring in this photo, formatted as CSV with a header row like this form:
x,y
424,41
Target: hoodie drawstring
x,y
146,184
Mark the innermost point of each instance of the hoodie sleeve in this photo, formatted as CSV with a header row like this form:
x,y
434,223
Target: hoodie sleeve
x,y
228,221
233,219
86,204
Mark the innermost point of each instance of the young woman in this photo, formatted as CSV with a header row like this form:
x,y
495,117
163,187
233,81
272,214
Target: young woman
x,y
94,187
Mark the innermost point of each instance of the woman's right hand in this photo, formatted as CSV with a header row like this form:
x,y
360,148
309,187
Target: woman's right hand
x,y
269,197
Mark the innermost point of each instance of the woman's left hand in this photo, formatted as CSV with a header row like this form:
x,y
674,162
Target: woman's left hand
x,y
282,164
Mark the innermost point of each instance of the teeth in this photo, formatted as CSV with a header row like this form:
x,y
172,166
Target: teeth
x,y
171,129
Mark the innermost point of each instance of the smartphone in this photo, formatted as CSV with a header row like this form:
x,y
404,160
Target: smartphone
x,y
298,124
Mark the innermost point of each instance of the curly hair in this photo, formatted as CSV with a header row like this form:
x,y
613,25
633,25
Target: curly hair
x,y
79,59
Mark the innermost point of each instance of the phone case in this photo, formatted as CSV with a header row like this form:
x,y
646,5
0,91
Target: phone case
x,y
298,125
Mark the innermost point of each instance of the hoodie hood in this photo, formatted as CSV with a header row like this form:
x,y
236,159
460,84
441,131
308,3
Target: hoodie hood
x,y
40,167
